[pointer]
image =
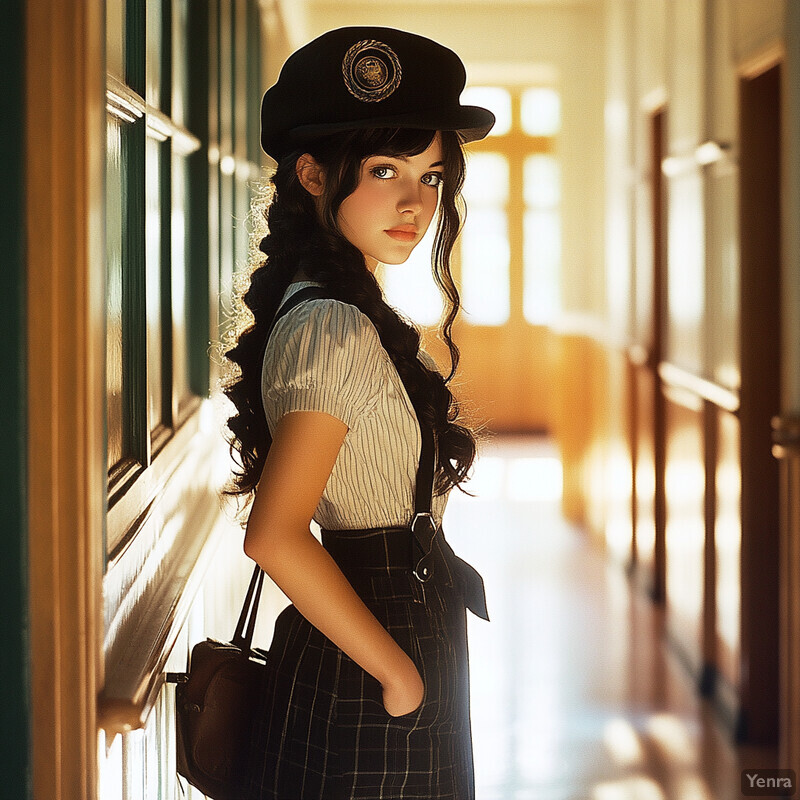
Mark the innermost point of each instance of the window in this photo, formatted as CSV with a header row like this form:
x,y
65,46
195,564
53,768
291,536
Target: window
x,y
508,263
485,252
170,114
148,146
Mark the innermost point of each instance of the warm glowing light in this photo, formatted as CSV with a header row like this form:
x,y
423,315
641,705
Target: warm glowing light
x,y
485,260
541,112
532,479
488,478
525,480
637,787
410,288
686,287
672,165
496,99
708,153
622,742
541,299
685,481
487,180
670,735
542,181
691,787
485,252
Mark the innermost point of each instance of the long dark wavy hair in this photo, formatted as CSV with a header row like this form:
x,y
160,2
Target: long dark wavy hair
x,y
303,239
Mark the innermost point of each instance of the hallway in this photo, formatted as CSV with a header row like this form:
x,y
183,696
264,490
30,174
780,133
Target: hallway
x,y
629,280
575,696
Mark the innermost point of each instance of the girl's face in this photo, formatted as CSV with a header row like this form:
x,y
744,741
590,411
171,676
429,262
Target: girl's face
x,y
391,208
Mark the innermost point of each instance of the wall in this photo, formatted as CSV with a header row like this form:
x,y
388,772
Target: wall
x,y
15,722
677,348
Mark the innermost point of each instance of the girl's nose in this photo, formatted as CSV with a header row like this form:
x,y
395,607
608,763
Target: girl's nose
x,y
411,198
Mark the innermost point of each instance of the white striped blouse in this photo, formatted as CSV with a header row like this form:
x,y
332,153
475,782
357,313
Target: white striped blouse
x,y
325,355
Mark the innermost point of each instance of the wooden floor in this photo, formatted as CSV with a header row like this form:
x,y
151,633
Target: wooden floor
x,y
574,694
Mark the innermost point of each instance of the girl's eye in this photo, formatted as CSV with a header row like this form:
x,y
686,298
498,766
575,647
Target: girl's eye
x,y
383,172
433,179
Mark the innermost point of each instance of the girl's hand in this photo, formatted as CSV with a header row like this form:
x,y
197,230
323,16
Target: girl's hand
x,y
404,694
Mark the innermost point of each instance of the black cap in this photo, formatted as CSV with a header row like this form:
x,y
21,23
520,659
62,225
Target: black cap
x,y
368,77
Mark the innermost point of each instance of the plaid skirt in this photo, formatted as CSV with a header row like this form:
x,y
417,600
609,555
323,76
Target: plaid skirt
x,y
322,730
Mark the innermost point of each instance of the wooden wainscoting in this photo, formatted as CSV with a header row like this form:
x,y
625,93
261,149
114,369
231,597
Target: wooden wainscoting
x,y
787,448
685,524
505,375
592,428
726,647
714,563
647,455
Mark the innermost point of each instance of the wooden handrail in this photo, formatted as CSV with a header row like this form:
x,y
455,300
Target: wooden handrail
x,y
679,378
151,585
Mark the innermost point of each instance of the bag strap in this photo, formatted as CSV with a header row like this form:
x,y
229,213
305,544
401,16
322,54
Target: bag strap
x,y
422,526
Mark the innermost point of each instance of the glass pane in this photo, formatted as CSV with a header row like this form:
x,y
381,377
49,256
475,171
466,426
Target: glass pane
x,y
153,276
115,38
410,287
686,276
541,112
153,49
486,182
542,260
485,267
542,176
115,188
179,278
497,100
179,72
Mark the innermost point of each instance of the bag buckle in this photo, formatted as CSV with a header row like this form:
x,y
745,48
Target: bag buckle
x,y
423,571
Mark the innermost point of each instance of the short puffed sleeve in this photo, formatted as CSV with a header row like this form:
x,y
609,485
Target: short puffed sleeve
x,y
323,355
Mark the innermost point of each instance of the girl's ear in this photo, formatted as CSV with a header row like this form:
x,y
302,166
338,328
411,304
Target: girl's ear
x,y
310,174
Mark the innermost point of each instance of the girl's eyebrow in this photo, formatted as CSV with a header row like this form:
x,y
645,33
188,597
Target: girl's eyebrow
x,y
405,158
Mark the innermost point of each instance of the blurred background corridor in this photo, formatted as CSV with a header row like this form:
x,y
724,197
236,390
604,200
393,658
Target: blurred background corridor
x,y
630,276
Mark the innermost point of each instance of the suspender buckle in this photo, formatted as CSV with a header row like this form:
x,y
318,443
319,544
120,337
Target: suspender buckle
x,y
427,516
423,571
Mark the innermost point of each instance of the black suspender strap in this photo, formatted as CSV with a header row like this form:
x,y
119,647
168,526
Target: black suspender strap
x,y
423,526
300,296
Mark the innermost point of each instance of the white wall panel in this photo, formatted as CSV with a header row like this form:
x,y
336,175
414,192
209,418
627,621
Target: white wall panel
x,y
756,25
686,59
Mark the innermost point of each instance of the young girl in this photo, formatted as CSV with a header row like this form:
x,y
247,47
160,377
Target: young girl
x,y
369,688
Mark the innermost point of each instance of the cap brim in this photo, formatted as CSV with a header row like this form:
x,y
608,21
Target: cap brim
x,y
471,123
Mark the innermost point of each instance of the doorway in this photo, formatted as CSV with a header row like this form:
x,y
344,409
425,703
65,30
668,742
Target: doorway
x,y
759,225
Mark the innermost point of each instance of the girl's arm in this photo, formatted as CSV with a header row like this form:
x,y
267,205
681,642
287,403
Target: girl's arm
x,y
304,449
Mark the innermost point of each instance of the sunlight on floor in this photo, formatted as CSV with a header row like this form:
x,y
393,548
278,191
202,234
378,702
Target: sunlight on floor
x,y
517,479
574,694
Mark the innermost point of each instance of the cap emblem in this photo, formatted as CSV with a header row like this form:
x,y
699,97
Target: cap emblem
x,y
371,71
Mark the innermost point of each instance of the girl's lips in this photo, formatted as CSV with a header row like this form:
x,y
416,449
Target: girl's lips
x,y
402,235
